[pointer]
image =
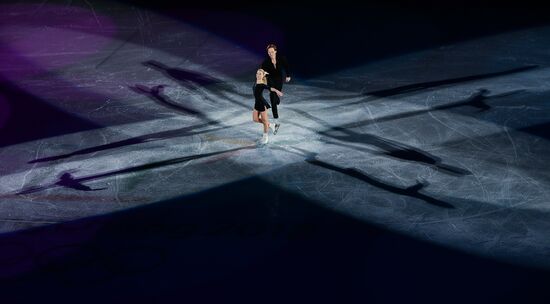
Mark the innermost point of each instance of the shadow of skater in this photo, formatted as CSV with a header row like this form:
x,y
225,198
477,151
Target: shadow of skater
x,y
77,182
189,79
68,181
65,180
187,131
200,83
415,87
412,191
432,84
391,148
155,93
476,100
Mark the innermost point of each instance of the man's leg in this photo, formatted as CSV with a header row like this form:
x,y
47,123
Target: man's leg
x,y
274,98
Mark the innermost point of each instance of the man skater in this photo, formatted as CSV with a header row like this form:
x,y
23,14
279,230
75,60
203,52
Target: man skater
x,y
274,65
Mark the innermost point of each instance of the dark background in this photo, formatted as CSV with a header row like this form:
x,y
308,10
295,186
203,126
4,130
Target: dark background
x,y
323,37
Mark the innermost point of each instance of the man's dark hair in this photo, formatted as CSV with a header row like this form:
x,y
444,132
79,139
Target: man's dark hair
x,y
271,45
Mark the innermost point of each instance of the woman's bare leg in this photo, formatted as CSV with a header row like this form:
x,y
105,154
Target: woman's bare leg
x,y
265,121
255,116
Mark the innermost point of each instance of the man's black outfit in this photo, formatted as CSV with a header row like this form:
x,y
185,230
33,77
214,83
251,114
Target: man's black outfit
x,y
275,79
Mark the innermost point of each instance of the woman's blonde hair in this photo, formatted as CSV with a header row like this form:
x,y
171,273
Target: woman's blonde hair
x,y
264,78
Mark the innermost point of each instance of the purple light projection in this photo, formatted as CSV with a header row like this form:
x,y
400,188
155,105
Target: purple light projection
x,y
36,41
60,64
39,38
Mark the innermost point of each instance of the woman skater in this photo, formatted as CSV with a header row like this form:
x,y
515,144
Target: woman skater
x,y
259,114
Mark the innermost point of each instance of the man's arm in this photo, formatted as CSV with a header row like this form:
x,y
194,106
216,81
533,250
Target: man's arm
x,y
286,67
279,93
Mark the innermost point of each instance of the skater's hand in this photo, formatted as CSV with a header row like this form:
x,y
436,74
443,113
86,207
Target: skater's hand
x,y
279,93
288,79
